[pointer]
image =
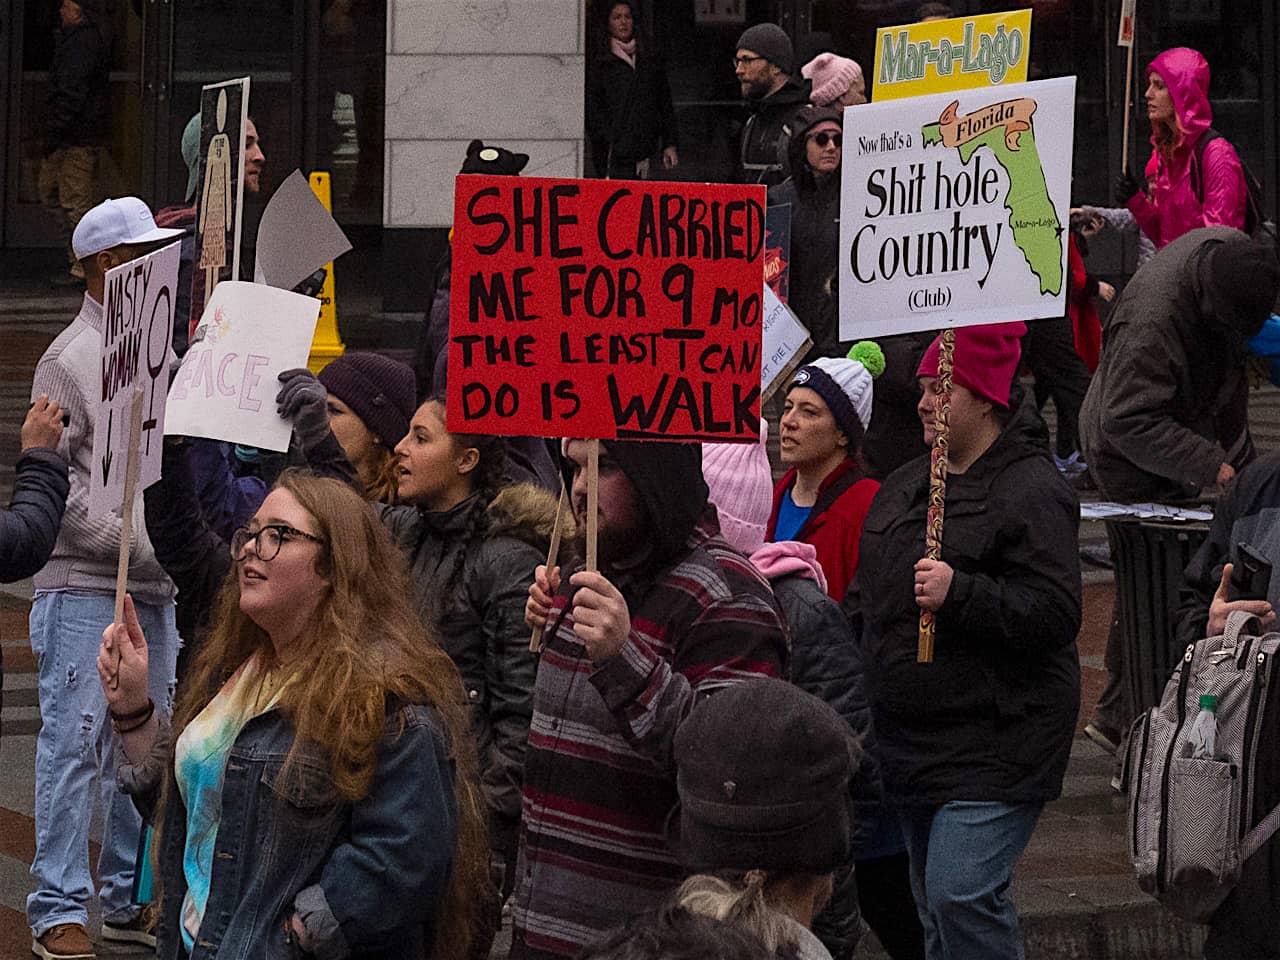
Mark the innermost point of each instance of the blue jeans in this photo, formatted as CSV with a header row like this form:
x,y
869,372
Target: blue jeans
x,y
77,747
962,856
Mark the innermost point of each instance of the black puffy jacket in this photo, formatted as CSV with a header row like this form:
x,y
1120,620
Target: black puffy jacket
x,y
29,528
483,552
992,718
826,662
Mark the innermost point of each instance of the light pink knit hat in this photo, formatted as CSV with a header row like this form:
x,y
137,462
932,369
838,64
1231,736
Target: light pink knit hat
x,y
741,486
831,76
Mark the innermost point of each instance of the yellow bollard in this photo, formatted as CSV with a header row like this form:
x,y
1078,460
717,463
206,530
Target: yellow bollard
x,y
326,345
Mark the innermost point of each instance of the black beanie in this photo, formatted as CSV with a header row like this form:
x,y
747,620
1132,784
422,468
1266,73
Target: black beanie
x,y
498,161
771,42
379,390
1244,276
762,771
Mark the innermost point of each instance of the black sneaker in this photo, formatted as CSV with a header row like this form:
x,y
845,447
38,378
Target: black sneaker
x,y
141,929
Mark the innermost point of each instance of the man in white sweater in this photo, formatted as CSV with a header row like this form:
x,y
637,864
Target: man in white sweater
x,y
74,601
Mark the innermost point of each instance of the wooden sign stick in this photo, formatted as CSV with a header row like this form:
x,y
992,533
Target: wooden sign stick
x,y
937,483
593,500
1128,96
553,554
126,514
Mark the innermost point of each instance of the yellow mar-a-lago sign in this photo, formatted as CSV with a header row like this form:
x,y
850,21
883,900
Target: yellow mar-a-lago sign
x,y
957,54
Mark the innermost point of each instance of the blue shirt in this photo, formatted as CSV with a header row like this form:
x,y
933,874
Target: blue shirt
x,y
790,519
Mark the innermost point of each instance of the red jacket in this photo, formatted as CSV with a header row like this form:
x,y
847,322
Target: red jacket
x,y
834,525
1081,290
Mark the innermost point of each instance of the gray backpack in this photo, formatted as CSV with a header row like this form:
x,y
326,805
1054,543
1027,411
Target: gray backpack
x,y
1189,818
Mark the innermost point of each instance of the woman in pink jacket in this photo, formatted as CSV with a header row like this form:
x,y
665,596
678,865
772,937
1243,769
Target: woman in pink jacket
x,y
1184,191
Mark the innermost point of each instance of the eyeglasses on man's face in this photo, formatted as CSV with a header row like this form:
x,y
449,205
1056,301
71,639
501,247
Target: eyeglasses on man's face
x,y
267,540
741,61
823,138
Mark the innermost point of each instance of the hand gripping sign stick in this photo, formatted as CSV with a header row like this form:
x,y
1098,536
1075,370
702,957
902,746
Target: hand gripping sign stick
x,y
593,505
937,483
126,515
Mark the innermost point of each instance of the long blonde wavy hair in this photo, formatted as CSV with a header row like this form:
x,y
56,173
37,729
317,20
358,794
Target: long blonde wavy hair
x,y
367,646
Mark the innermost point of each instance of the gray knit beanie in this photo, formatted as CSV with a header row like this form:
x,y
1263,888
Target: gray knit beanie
x,y
771,42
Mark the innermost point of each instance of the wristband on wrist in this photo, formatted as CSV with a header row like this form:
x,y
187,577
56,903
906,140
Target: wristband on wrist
x,y
128,722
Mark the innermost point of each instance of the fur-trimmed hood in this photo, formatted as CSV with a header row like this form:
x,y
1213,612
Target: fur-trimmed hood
x,y
527,512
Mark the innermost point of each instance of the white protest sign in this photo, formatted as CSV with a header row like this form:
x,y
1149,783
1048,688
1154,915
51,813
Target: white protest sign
x,y
137,329
784,342
226,387
953,209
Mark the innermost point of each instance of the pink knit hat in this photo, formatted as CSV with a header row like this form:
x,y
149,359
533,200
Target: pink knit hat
x,y
986,359
741,487
831,76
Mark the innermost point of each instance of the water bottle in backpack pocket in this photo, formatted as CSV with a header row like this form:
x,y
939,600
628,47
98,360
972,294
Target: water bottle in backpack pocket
x,y
1189,772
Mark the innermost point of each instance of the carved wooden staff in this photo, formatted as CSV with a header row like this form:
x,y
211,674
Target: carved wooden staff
x,y
937,483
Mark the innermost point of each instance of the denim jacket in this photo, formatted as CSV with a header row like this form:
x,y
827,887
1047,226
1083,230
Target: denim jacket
x,y
364,877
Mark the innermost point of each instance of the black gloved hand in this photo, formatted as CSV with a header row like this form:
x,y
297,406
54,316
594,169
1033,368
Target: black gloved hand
x,y
1126,186
303,399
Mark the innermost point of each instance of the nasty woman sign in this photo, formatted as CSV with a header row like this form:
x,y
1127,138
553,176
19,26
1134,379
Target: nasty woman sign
x,y
137,326
953,209
227,384
606,308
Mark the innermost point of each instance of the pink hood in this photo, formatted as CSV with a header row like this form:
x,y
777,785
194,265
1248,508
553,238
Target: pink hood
x,y
1186,73
1185,192
774,560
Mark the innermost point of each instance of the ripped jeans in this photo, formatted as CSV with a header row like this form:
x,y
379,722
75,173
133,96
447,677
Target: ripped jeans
x,y
76,757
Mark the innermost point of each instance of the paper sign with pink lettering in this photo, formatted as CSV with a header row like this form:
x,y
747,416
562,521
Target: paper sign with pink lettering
x,y
226,387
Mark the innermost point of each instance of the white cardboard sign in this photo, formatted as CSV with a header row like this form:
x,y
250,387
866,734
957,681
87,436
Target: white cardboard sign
x,y
227,384
137,331
953,209
784,342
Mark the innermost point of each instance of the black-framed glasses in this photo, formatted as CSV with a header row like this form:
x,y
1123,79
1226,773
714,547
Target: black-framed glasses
x,y
741,61
823,138
267,540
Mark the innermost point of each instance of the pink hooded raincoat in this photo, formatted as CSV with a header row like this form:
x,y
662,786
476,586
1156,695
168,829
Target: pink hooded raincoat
x,y
1170,208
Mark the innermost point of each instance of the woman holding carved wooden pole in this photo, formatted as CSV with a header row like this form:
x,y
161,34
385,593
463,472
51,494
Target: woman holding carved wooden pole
x,y
974,743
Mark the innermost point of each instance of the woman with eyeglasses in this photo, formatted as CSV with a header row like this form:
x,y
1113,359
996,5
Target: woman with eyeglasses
x,y
314,791
813,192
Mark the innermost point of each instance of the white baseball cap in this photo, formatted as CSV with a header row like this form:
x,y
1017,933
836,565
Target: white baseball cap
x,y
113,222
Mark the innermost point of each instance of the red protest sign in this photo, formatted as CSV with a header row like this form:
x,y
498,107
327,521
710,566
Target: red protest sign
x,y
606,308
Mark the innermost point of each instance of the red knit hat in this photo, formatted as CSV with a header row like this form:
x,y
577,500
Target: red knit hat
x,y
986,359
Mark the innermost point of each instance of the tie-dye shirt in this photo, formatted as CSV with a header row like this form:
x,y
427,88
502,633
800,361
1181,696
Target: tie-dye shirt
x,y
200,759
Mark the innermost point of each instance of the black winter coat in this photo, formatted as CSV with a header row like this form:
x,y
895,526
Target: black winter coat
x,y
483,553
766,136
826,662
79,104
630,115
1166,407
815,251
29,528
992,718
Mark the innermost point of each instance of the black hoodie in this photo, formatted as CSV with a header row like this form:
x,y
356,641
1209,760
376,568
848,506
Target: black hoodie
x,y
668,481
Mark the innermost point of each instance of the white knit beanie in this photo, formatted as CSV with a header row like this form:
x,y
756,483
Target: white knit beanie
x,y
844,383
831,76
